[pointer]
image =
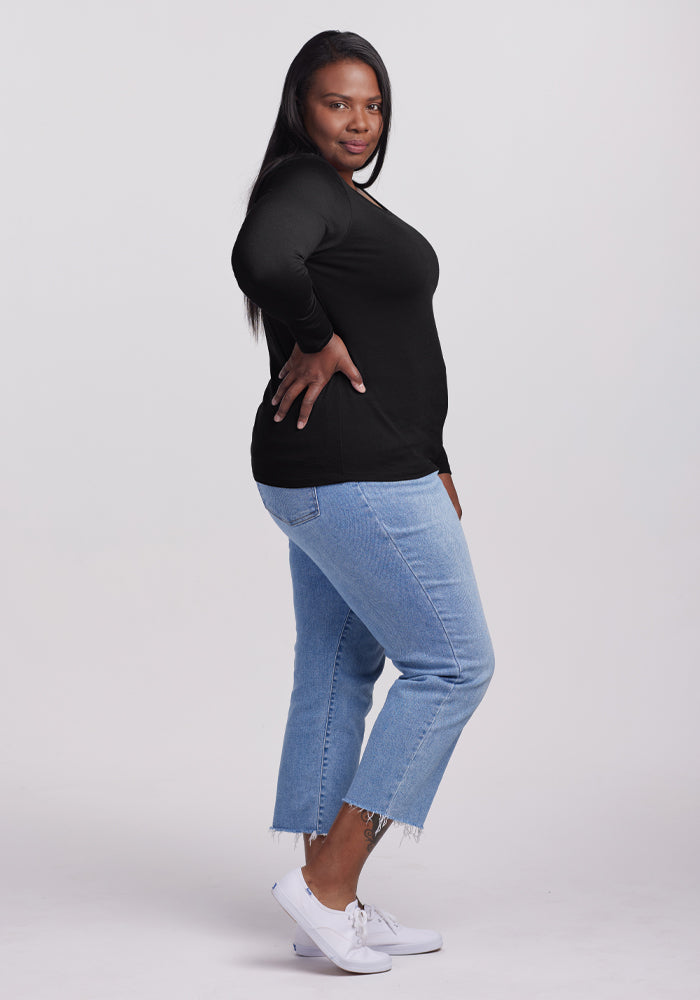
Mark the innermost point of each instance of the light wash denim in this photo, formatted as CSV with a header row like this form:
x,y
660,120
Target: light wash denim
x,y
379,569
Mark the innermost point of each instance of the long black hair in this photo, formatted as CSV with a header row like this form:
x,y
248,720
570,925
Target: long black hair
x,y
289,135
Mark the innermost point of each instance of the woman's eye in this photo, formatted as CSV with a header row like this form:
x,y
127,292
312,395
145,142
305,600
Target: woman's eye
x,y
342,104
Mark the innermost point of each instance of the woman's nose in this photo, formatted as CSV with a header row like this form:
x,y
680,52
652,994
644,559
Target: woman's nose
x,y
359,121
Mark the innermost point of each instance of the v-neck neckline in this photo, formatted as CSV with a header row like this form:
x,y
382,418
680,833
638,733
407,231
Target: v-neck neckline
x,y
376,204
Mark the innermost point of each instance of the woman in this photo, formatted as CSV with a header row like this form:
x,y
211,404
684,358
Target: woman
x,y
358,479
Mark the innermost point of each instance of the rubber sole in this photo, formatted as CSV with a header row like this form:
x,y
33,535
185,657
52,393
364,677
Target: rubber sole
x,y
342,963
389,949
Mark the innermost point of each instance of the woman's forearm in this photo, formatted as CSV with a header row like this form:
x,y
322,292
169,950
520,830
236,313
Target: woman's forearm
x,y
452,492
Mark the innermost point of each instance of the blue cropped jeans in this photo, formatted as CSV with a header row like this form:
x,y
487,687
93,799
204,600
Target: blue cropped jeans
x,y
379,569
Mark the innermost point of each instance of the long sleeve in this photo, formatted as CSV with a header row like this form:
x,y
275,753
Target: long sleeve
x,y
301,208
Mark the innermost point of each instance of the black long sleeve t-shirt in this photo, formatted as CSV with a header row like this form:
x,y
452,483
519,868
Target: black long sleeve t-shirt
x,y
318,257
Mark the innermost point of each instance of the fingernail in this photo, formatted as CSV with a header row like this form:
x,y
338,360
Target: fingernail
x,y
277,417
361,387
300,424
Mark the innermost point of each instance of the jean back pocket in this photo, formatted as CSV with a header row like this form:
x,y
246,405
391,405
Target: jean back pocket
x,y
291,504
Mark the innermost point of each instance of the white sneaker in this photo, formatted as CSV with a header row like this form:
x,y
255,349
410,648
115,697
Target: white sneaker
x,y
384,932
339,934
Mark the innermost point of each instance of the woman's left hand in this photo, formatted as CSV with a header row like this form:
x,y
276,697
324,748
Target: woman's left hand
x,y
452,492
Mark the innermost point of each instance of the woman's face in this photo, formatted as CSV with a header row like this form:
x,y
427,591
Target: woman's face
x,y
343,114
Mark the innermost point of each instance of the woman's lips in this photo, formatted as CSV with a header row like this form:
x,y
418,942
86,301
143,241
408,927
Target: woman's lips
x,y
355,147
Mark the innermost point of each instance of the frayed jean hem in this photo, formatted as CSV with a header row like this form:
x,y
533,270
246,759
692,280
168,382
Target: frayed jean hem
x,y
407,829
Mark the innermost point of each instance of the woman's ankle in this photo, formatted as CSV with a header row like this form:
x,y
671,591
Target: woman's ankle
x,y
328,890
312,847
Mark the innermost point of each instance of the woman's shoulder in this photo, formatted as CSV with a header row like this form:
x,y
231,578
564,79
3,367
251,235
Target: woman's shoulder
x,y
304,174
301,163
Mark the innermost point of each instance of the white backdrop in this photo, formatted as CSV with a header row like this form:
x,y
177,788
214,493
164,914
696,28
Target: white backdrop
x,y
550,153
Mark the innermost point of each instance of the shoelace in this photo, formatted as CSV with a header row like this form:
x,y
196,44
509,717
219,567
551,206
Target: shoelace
x,y
358,919
388,918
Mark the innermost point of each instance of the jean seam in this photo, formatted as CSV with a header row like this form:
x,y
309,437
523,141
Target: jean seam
x,y
329,715
417,579
423,738
303,518
300,520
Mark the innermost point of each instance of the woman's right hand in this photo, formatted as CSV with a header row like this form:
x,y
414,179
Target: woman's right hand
x,y
311,372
